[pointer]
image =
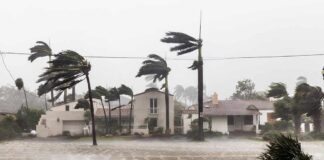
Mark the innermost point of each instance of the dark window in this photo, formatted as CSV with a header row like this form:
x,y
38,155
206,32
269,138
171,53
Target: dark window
x,y
153,105
248,120
230,120
67,108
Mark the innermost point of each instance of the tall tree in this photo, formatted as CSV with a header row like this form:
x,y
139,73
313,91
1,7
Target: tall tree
x,y
66,70
20,85
187,44
42,49
112,95
158,67
179,92
125,90
98,93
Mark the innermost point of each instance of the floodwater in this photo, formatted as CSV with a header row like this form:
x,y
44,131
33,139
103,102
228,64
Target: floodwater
x,y
141,149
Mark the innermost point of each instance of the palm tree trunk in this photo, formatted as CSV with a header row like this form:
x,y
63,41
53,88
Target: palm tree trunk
x,y
65,96
109,114
119,120
52,92
200,95
25,97
73,94
317,121
45,103
94,139
106,121
167,126
297,122
130,117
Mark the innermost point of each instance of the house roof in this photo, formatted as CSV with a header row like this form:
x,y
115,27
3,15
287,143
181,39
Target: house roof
x,y
151,90
232,107
114,113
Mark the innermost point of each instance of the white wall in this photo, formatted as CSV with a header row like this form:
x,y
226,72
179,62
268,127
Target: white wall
x,y
187,121
219,124
142,106
264,116
53,123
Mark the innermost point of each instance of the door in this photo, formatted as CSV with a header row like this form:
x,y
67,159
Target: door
x,y
238,123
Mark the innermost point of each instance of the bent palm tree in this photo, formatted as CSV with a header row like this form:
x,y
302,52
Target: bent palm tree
x,y
20,85
42,49
158,67
65,71
124,90
187,44
112,95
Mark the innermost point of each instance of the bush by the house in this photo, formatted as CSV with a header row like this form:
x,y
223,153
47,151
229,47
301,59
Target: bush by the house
x,y
66,133
27,119
276,126
9,128
270,135
213,134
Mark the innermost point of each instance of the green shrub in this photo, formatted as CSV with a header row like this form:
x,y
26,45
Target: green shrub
x,y
284,147
9,128
213,134
270,135
276,126
66,133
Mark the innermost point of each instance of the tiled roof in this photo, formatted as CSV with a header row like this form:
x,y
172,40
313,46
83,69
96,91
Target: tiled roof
x,y
233,107
114,113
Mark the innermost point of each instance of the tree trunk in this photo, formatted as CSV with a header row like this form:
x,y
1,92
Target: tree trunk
x,y
52,92
94,138
297,122
109,115
106,121
25,97
73,94
317,121
167,125
65,96
45,103
130,117
200,96
119,119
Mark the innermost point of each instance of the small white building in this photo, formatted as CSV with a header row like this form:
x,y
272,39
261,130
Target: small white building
x,y
229,116
63,118
150,108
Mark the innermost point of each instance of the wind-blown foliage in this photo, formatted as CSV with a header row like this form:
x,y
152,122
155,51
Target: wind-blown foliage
x,y
42,49
65,71
20,85
82,103
185,42
125,90
277,90
284,148
158,68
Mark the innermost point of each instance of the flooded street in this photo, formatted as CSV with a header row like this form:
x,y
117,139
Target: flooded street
x,y
144,149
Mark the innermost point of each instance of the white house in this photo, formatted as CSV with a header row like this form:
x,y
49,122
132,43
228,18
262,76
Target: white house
x,y
150,108
63,118
232,115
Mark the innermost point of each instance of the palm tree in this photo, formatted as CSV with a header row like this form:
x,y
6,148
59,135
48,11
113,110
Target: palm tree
x,y
112,95
179,92
20,85
115,92
284,147
103,92
42,49
158,67
124,90
66,70
98,93
187,44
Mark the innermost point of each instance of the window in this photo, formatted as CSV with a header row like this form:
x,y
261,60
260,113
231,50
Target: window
x,y
153,105
230,120
248,120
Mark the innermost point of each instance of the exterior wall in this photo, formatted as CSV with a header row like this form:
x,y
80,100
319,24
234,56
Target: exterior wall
x,y
187,121
53,123
240,126
219,124
141,110
264,116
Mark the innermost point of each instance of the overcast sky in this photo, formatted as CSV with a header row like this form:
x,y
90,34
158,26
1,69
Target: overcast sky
x,y
135,27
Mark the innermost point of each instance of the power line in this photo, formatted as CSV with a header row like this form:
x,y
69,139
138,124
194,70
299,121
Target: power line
x,y
6,67
189,59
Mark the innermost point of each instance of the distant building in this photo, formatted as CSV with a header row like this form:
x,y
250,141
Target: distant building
x,y
228,116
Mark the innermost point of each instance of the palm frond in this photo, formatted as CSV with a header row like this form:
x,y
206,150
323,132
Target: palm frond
x,y
177,37
19,83
194,66
277,90
125,90
82,103
40,50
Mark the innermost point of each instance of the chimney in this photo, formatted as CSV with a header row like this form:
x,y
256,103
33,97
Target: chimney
x,y
215,99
